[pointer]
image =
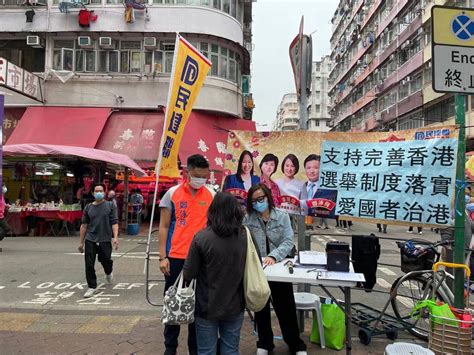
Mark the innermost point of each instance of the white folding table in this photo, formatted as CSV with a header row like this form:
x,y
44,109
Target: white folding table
x,y
280,272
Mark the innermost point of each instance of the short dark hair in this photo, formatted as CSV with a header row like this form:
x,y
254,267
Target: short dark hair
x,y
138,191
101,185
269,157
197,161
294,160
225,215
241,159
266,191
312,157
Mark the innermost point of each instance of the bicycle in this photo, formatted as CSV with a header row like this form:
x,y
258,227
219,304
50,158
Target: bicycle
x,y
421,283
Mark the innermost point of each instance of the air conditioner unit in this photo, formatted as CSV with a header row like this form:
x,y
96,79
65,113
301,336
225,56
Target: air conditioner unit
x,y
429,64
149,42
378,116
408,78
331,123
84,41
35,41
105,42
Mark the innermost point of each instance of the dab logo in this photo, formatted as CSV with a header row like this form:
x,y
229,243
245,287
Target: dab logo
x,y
463,27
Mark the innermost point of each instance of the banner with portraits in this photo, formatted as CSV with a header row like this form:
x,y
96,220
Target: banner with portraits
x,y
404,177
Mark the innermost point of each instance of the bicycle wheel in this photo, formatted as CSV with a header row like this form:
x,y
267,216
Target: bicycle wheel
x,y
407,294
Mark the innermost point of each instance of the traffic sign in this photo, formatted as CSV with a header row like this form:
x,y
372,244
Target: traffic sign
x,y
452,49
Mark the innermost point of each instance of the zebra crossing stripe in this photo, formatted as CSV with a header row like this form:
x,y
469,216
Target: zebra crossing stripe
x,y
321,240
387,271
384,284
407,302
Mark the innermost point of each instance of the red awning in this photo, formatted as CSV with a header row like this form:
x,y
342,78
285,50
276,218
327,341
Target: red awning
x,y
206,134
70,126
136,134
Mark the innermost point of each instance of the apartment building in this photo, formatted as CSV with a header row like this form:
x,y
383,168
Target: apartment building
x,y
381,73
318,102
287,117
118,55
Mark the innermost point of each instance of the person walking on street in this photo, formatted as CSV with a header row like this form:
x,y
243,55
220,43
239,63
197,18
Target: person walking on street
x,y
4,229
217,252
183,213
98,234
272,231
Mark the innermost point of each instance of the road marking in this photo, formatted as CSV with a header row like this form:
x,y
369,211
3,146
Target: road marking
x,y
141,255
2,287
384,284
321,240
407,302
387,271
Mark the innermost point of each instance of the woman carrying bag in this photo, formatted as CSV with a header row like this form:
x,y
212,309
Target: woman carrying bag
x,y
272,231
216,259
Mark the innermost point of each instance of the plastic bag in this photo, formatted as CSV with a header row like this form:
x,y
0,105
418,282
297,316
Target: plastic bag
x,y
439,311
334,324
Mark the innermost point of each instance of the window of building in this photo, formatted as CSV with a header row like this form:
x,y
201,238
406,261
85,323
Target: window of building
x,y
441,111
130,57
318,108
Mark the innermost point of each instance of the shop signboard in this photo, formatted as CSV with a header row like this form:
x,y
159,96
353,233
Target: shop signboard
x,y
19,80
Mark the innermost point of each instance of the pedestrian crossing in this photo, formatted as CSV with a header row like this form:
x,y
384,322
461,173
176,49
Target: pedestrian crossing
x,y
137,240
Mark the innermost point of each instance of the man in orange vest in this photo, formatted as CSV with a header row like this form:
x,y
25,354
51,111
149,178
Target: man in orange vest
x,y
183,213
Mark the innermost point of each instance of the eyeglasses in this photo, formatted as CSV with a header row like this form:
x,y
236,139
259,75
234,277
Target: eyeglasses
x,y
259,199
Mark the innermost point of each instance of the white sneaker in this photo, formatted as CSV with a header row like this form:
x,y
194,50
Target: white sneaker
x,y
409,231
262,351
301,352
420,232
89,293
109,278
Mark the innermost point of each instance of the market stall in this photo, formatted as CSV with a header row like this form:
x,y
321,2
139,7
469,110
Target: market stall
x,y
51,209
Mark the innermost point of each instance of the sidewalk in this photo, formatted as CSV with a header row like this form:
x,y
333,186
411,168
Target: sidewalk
x,y
39,333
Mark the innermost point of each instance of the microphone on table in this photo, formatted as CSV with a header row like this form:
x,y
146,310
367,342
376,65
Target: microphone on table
x,y
290,265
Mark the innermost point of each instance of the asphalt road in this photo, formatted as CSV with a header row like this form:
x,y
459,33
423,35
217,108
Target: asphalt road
x,y
48,272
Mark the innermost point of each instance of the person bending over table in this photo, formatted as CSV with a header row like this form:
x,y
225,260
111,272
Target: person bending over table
x,y
272,231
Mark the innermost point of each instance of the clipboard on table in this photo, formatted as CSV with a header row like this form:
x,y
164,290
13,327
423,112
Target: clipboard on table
x,y
311,257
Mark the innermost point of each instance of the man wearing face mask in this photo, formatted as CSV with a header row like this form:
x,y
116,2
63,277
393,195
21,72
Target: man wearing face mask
x,y
183,211
98,233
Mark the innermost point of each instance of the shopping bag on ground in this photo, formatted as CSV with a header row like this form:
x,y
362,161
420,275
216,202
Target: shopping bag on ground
x,y
334,324
256,289
178,303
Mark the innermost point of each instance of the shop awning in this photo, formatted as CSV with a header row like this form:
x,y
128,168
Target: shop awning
x,y
114,159
136,134
66,126
207,134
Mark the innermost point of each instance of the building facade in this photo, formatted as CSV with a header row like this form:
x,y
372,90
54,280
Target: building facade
x,y
381,73
109,53
287,117
318,102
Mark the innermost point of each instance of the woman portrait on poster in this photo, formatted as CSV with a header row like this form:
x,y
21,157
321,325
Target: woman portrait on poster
x,y
244,178
268,166
288,184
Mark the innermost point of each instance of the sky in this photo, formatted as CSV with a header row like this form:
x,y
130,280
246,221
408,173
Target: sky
x,y
275,24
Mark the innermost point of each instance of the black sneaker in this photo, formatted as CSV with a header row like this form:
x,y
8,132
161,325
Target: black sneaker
x,y
169,351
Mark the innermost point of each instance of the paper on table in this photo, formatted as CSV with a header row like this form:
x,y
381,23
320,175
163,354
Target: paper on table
x,y
341,276
311,257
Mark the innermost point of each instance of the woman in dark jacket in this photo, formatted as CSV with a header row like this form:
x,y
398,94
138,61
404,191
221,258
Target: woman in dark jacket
x,y
217,252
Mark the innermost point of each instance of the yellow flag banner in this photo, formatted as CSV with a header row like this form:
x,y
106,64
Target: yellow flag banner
x,y
190,68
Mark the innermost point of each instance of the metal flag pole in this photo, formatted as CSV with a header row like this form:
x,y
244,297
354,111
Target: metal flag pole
x,y
460,208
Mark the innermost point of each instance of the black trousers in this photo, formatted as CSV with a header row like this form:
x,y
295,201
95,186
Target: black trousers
x,y
4,228
283,301
171,332
91,250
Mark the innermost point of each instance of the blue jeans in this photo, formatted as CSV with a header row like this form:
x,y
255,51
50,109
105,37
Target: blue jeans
x,y
207,333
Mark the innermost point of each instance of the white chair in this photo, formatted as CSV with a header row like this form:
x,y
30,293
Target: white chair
x,y
406,348
306,301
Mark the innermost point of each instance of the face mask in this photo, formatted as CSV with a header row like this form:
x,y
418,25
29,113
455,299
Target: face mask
x,y
260,206
197,183
4,190
98,195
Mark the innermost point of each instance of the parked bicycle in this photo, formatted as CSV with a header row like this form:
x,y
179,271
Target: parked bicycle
x,y
420,282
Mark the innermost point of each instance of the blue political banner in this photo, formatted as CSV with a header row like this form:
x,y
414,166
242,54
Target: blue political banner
x,y
405,181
